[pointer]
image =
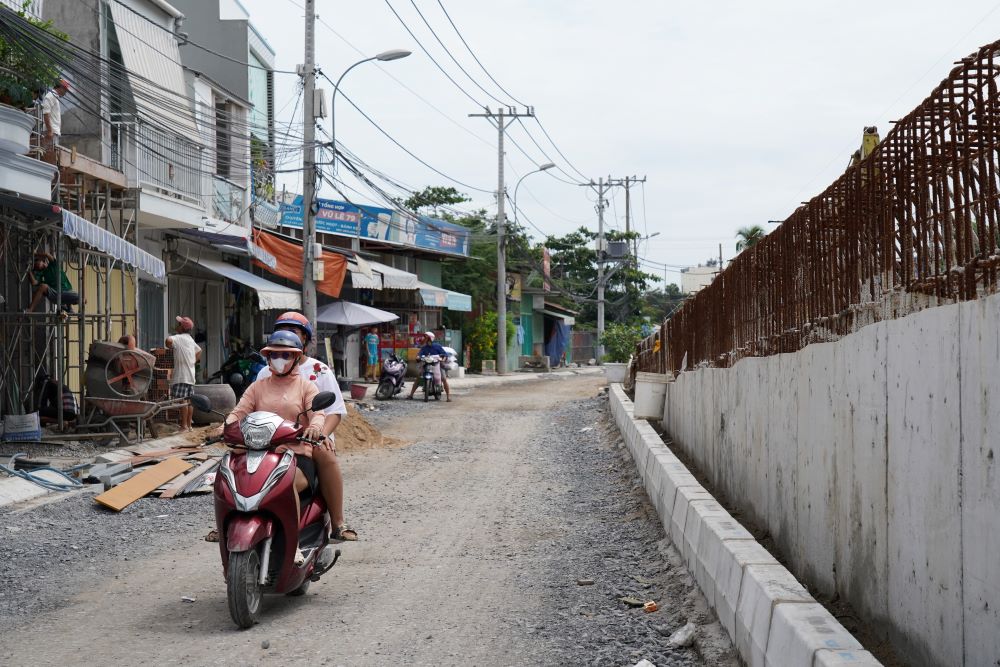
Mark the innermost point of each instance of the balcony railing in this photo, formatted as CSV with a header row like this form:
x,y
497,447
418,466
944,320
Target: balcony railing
x,y
169,163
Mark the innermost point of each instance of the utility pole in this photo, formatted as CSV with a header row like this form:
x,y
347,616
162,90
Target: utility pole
x,y
629,181
601,187
308,74
502,119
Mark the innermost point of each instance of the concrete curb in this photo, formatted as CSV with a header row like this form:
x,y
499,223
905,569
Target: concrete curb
x,y
471,382
15,490
770,617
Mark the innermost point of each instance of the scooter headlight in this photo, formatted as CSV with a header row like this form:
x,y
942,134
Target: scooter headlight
x,y
258,428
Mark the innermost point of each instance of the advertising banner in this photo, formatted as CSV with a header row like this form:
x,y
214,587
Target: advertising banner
x,y
373,222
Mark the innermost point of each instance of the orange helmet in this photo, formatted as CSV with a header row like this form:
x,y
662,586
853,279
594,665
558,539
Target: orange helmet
x,y
291,318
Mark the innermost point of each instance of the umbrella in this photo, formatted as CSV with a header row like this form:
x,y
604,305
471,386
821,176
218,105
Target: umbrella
x,y
349,314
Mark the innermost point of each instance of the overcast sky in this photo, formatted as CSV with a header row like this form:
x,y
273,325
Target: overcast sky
x,y
734,111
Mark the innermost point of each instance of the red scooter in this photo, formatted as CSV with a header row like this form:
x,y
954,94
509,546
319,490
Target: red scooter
x,y
259,529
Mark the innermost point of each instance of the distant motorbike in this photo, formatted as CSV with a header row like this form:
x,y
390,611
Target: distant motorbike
x,y
391,381
266,546
240,369
430,377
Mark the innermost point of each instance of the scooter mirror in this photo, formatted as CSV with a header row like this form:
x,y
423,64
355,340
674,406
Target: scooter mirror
x,y
236,379
323,400
201,402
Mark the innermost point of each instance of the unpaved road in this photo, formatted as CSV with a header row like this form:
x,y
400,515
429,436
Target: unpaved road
x,y
474,538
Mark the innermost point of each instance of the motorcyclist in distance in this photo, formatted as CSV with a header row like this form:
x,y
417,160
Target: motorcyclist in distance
x,y
431,348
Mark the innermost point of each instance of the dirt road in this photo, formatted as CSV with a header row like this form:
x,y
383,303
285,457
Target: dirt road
x,y
474,540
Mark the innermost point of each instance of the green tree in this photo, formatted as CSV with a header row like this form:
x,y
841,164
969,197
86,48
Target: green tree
x,y
433,197
749,237
483,338
619,341
659,304
574,273
25,66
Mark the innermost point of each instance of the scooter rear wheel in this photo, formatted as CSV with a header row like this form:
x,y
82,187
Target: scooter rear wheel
x,y
243,587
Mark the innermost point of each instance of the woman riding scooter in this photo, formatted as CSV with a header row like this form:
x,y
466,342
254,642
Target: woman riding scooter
x,y
286,394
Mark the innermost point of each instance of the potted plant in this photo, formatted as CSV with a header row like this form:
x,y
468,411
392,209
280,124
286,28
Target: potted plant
x,y
619,341
25,72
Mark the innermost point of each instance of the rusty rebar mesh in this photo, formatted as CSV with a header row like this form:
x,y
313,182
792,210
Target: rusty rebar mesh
x,y
912,226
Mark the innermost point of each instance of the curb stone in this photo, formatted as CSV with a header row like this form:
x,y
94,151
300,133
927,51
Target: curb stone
x,y
771,618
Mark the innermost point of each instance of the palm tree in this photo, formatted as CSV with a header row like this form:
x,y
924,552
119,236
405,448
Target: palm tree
x,y
749,237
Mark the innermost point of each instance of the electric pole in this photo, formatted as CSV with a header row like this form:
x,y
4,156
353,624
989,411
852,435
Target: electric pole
x,y
601,187
629,181
502,119
308,74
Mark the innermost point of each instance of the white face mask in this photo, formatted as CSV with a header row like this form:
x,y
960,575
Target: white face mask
x,y
280,366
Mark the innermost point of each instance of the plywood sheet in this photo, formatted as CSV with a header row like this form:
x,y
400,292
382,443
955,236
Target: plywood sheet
x,y
142,484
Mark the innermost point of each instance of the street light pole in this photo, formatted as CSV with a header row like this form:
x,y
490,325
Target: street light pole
x,y
544,167
385,56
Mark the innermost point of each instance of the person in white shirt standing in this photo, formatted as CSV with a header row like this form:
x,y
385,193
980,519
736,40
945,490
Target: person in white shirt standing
x,y
187,353
52,114
331,480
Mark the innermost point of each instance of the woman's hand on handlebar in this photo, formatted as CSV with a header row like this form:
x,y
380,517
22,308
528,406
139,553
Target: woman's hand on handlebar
x,y
312,434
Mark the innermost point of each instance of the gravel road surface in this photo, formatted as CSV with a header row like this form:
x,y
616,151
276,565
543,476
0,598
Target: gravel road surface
x,y
475,540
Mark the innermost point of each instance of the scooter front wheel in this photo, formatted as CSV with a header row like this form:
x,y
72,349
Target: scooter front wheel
x,y
243,587
384,391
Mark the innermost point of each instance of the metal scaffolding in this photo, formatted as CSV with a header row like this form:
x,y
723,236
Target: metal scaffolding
x,y
52,341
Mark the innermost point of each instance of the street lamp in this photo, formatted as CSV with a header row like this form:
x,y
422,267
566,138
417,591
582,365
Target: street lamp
x,y
502,273
543,167
385,56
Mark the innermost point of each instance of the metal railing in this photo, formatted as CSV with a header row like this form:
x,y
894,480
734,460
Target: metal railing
x,y
913,225
168,162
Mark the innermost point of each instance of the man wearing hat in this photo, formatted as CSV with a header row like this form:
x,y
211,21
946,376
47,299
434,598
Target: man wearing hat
x,y
186,355
52,113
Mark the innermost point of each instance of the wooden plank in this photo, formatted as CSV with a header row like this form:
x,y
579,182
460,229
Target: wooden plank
x,y
178,484
142,484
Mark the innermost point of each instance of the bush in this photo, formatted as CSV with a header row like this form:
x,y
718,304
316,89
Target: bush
x,y
25,67
483,338
619,341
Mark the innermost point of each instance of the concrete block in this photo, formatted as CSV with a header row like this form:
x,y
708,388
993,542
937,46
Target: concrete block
x,y
698,511
715,534
16,490
683,498
844,657
799,630
764,587
728,575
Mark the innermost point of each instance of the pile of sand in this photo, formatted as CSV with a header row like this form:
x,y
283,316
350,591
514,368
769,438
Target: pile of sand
x,y
357,433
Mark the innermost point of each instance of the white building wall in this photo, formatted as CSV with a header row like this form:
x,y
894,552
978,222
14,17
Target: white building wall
x,y
871,461
697,278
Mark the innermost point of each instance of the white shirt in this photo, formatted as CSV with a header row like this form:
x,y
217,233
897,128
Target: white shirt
x,y
185,350
52,107
319,373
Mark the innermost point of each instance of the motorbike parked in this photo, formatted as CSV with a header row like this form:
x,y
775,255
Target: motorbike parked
x,y
392,379
259,529
239,369
430,377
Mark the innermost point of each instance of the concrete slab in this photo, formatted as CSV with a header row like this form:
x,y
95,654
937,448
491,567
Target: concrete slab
x,y
728,577
764,587
678,516
713,539
798,631
844,658
16,490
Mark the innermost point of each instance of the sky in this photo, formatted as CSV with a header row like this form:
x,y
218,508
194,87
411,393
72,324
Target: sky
x,y
735,112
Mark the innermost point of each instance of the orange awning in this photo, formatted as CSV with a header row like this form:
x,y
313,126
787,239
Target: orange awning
x,y
289,263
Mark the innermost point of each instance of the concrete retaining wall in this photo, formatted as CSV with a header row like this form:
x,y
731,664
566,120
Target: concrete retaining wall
x,y
771,618
871,463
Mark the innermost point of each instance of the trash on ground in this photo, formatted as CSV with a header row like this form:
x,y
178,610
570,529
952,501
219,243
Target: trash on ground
x,y
187,598
632,602
584,582
683,637
650,607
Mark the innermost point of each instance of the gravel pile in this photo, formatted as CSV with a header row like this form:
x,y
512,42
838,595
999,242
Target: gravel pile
x,y
51,551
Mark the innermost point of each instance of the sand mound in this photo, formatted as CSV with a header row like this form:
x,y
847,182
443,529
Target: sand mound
x,y
356,433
